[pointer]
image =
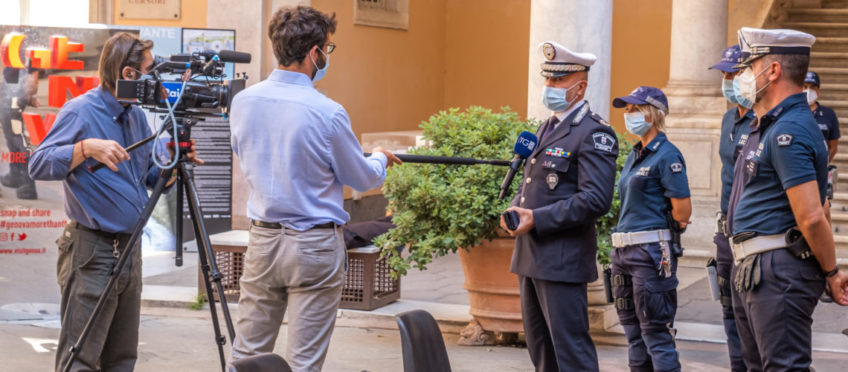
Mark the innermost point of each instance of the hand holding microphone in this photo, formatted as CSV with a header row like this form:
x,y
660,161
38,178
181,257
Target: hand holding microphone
x,y
524,146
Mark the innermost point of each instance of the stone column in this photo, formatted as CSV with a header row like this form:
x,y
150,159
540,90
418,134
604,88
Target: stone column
x,y
581,26
698,36
250,20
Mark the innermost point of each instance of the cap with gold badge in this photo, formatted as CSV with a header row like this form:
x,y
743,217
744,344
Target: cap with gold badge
x,y
758,42
559,61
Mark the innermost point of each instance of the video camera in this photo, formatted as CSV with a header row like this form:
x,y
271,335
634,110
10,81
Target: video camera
x,y
206,90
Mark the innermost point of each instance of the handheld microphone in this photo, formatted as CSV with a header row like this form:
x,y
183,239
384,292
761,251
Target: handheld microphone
x,y
524,146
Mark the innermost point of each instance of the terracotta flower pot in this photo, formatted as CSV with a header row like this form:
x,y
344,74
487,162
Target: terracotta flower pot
x,y
492,290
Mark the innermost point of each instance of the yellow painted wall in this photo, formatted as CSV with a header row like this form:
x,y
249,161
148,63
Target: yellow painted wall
x,y
387,79
192,14
486,53
641,47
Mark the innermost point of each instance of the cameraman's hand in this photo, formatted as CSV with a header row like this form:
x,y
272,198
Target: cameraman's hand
x,y
108,152
191,155
391,158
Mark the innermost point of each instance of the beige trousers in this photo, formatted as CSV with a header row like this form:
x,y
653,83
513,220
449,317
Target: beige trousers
x,y
301,271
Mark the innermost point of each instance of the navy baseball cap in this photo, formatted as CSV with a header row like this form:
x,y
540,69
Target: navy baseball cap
x,y
729,58
812,78
644,96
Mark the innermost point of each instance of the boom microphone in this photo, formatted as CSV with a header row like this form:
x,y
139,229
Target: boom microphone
x,y
449,160
524,146
223,56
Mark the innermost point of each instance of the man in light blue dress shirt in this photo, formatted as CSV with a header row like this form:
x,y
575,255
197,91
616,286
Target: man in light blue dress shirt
x,y
297,151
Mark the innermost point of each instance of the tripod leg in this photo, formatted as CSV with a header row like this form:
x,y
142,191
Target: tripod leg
x,y
207,259
119,266
178,230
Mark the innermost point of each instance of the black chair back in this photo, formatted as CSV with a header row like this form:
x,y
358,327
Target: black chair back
x,y
423,347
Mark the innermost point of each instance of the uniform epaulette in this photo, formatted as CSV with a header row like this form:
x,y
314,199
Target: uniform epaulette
x,y
599,119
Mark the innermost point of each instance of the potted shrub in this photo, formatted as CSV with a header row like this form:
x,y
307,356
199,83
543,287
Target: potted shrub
x,y
442,209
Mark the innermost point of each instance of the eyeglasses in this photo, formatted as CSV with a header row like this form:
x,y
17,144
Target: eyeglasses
x,y
330,47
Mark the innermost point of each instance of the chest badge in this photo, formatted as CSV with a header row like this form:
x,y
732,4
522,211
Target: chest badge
x,y
552,179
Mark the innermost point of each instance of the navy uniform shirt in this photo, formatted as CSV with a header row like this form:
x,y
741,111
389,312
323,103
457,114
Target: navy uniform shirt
x,y
649,178
827,121
734,135
786,150
101,200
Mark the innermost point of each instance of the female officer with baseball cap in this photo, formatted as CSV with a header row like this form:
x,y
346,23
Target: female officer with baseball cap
x,y
652,185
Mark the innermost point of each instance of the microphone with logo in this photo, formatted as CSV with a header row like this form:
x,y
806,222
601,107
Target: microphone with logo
x,y
524,146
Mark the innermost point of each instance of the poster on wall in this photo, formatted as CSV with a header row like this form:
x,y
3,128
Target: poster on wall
x,y
197,40
214,179
43,67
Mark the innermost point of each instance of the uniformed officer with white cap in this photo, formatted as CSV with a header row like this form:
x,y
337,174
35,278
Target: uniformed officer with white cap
x,y
568,184
782,244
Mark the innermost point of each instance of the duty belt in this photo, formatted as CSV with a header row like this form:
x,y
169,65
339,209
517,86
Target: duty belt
x,y
743,246
621,240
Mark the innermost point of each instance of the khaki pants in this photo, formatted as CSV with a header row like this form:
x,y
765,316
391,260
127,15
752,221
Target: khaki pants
x,y
301,271
85,262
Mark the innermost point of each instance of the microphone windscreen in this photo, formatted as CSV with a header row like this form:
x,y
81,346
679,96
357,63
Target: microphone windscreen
x,y
233,56
525,144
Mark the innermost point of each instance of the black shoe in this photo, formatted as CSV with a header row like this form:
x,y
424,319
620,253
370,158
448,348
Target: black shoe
x,y
12,180
27,192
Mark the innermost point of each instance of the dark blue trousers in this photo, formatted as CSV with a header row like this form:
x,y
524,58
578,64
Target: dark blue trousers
x,y
724,262
556,325
775,318
647,323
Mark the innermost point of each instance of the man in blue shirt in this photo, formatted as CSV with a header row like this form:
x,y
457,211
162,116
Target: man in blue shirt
x,y
735,127
297,151
782,244
104,206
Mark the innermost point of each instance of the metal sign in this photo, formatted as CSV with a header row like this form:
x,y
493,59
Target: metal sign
x,y
149,9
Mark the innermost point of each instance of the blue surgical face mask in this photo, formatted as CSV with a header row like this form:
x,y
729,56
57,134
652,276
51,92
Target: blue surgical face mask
x,y
555,98
728,91
320,72
742,101
636,124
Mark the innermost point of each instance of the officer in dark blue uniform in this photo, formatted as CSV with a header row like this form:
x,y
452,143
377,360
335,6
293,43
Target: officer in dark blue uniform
x,y
825,117
828,124
652,187
735,127
568,183
783,248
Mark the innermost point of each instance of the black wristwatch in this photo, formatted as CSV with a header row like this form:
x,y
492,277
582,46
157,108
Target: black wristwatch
x,y
832,272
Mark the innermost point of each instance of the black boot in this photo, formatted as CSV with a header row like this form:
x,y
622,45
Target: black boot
x,y
18,176
27,191
12,179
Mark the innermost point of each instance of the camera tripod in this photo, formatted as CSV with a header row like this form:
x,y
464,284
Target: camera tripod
x,y
185,184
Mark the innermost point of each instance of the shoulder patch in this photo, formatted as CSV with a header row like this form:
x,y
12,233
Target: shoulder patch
x,y
676,167
603,141
784,139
